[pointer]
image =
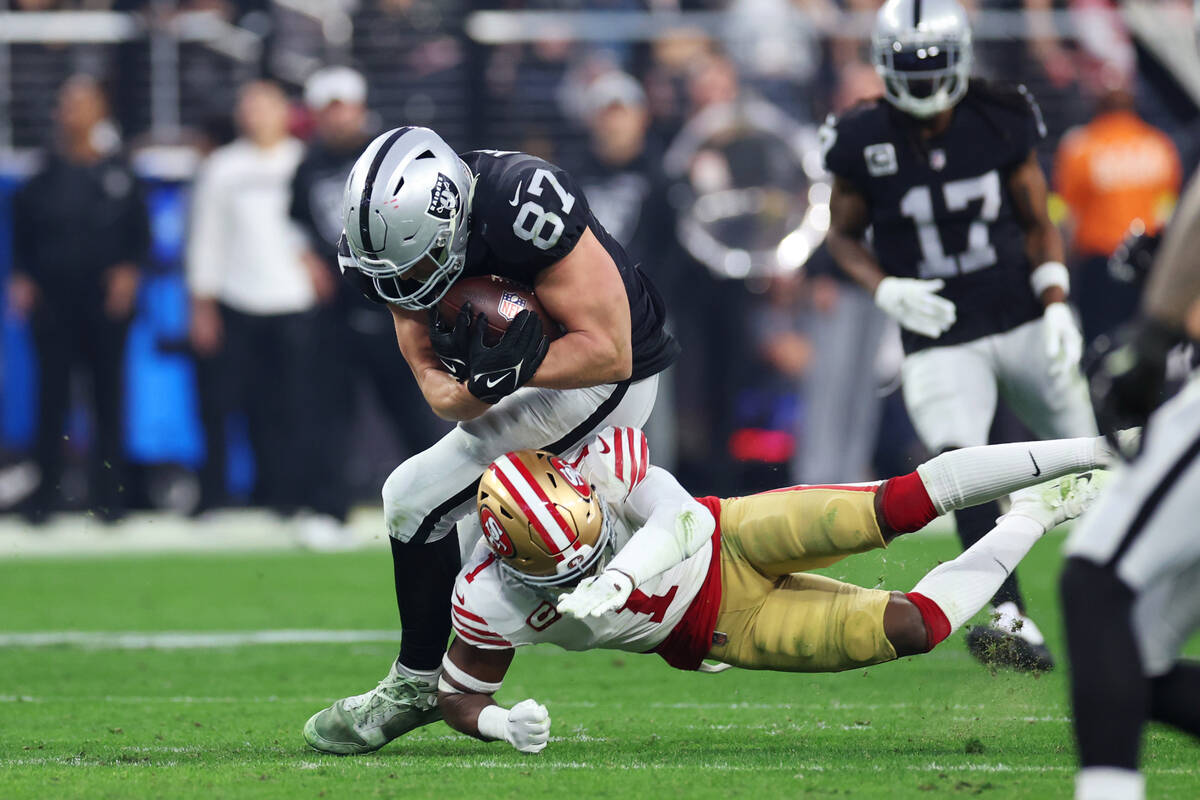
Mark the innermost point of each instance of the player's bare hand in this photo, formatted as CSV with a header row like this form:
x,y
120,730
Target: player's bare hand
x,y
916,305
121,291
22,295
206,330
1064,343
598,595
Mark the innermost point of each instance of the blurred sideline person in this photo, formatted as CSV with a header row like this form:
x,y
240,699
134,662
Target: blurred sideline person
x,y
1113,172
356,343
842,403
622,176
963,255
252,326
1131,585
608,551
80,232
418,217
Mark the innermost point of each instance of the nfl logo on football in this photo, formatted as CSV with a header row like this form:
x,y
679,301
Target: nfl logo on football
x,y
511,304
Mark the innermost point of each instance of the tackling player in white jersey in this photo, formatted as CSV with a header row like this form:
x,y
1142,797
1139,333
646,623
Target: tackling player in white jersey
x,y
607,551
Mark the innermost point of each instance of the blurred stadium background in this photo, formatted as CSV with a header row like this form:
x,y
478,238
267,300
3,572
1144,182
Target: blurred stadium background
x,y
719,193
692,125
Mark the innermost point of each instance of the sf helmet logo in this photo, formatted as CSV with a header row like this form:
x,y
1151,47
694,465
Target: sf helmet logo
x,y
443,198
494,532
572,476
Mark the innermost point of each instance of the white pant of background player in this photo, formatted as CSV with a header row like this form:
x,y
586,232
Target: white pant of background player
x,y
951,391
426,495
1146,526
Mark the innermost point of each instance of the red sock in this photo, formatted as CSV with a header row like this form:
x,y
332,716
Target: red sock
x,y
906,504
937,627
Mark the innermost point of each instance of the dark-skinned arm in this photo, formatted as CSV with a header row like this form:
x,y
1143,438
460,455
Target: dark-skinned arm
x,y
465,699
1043,242
849,218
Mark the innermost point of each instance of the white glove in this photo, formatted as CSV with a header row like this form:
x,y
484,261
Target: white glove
x,y
598,595
916,305
526,726
1064,344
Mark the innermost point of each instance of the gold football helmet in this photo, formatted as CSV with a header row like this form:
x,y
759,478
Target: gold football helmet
x,y
542,518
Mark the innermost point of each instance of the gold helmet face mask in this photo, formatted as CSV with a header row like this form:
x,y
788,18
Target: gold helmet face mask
x,y
542,519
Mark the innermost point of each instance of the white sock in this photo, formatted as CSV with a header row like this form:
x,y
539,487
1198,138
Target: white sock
x,y
974,475
430,676
1109,783
963,586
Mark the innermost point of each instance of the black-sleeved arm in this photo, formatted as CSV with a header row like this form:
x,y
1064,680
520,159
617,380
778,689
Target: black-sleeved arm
x,y
135,226
533,214
300,210
24,251
841,157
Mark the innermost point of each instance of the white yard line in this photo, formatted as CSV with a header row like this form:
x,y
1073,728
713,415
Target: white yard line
x,y
185,640
80,535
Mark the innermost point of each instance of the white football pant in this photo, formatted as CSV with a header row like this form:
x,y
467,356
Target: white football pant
x,y
951,391
426,495
1146,528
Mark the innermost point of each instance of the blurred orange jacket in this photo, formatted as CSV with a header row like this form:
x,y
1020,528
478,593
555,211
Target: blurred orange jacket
x,y
1112,171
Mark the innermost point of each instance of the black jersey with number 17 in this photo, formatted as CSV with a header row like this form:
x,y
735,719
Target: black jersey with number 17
x,y
941,207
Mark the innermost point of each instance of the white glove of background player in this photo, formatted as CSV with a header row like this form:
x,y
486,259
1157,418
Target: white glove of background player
x,y
916,305
1064,343
598,595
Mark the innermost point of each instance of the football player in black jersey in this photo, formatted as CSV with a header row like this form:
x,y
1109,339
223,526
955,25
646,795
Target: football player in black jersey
x,y
417,217
939,209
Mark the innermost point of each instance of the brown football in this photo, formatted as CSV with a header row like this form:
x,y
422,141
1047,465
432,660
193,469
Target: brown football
x,y
500,298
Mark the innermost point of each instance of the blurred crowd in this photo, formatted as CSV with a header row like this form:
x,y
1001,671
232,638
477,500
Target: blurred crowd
x,y
698,152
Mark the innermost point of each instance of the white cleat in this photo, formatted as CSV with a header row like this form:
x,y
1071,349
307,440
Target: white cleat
x,y
366,722
1052,503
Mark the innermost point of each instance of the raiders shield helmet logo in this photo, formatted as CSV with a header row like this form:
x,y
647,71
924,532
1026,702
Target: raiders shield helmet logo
x,y
443,199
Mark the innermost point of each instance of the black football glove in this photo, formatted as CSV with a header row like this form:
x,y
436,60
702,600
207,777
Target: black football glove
x,y
1128,373
498,371
452,345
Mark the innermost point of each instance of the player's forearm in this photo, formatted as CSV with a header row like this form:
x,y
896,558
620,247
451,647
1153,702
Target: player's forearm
x,y
448,399
581,359
1173,292
855,259
676,527
461,710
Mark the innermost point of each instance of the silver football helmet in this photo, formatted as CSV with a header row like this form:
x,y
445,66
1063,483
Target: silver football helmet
x,y
405,213
922,50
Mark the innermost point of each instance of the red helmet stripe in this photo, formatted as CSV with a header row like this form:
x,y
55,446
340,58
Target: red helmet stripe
x,y
645,458
536,506
556,518
620,454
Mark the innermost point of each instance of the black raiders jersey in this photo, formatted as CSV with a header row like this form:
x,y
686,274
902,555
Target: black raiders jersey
x,y
941,208
526,215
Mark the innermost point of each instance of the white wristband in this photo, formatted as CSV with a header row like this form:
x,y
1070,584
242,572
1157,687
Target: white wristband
x,y
493,723
1052,273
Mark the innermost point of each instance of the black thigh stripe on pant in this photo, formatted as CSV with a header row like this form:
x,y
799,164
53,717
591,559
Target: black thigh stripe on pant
x,y
425,529
1154,500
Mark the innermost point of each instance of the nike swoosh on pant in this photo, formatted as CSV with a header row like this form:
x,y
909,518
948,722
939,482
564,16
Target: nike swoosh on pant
x,y
1036,469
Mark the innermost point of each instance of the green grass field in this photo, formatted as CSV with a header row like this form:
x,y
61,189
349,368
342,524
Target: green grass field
x,y
98,720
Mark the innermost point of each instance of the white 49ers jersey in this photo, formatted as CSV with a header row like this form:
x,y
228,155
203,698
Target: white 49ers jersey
x,y
493,610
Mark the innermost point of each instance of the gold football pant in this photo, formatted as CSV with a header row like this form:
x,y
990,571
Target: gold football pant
x,y
773,619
